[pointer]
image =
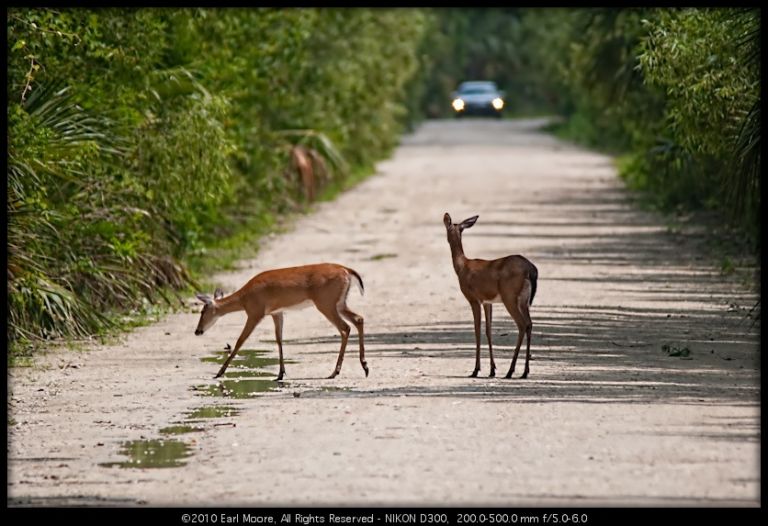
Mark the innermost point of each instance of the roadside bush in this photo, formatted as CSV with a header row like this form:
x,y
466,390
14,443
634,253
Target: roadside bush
x,y
134,133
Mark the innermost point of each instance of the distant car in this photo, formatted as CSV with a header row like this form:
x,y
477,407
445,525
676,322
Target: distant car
x,y
478,98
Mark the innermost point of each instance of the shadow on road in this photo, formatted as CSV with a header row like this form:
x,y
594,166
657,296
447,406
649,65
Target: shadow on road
x,y
588,356
688,343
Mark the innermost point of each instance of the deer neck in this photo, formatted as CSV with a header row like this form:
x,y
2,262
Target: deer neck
x,y
229,304
457,255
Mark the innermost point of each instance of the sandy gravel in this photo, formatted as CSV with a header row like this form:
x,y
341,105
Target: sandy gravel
x,y
606,417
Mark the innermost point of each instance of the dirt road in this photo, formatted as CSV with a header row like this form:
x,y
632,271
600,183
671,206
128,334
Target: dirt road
x,y
608,415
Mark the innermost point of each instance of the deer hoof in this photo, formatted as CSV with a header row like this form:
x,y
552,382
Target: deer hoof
x,y
525,375
474,373
365,368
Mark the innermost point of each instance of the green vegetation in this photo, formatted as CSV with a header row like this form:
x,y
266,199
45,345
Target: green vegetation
x,y
675,92
144,140
148,146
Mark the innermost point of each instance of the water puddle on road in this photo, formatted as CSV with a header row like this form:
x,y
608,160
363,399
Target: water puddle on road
x,y
245,378
180,429
248,373
245,375
246,359
239,388
211,411
379,257
145,454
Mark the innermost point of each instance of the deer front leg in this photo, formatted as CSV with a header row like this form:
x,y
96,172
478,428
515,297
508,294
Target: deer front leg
x,y
488,307
251,324
278,319
476,314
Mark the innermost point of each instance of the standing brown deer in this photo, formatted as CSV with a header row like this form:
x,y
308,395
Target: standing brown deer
x,y
326,285
509,280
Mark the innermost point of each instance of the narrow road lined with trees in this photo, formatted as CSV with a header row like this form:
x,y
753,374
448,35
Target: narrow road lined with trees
x,y
643,386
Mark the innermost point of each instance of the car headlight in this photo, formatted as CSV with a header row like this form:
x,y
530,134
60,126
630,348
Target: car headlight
x,y
457,104
497,103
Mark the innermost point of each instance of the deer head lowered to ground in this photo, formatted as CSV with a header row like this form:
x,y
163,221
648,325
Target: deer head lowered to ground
x,y
324,285
510,280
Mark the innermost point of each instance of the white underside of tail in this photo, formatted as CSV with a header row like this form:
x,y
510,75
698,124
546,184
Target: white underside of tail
x,y
342,303
525,295
357,282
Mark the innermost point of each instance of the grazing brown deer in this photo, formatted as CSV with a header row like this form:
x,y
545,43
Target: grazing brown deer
x,y
326,285
509,280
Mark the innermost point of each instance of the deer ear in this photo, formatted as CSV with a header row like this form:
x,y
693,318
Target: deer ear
x,y
447,220
205,299
218,294
468,222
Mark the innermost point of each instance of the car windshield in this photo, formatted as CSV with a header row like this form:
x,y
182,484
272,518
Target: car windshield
x,y
477,89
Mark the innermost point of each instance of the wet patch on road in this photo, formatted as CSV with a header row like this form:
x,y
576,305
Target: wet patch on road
x,y
146,454
211,411
180,429
246,378
239,388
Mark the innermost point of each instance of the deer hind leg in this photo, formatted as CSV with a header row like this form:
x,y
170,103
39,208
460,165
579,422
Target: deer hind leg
x,y
331,312
514,310
357,320
523,306
278,319
488,307
250,324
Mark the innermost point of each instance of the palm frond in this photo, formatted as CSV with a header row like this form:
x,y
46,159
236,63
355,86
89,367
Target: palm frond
x,y
54,106
743,185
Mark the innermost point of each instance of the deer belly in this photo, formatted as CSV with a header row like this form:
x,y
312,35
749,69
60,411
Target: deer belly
x,y
495,299
296,306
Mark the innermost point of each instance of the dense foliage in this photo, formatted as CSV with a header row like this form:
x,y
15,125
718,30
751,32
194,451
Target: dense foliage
x,y
675,90
130,131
